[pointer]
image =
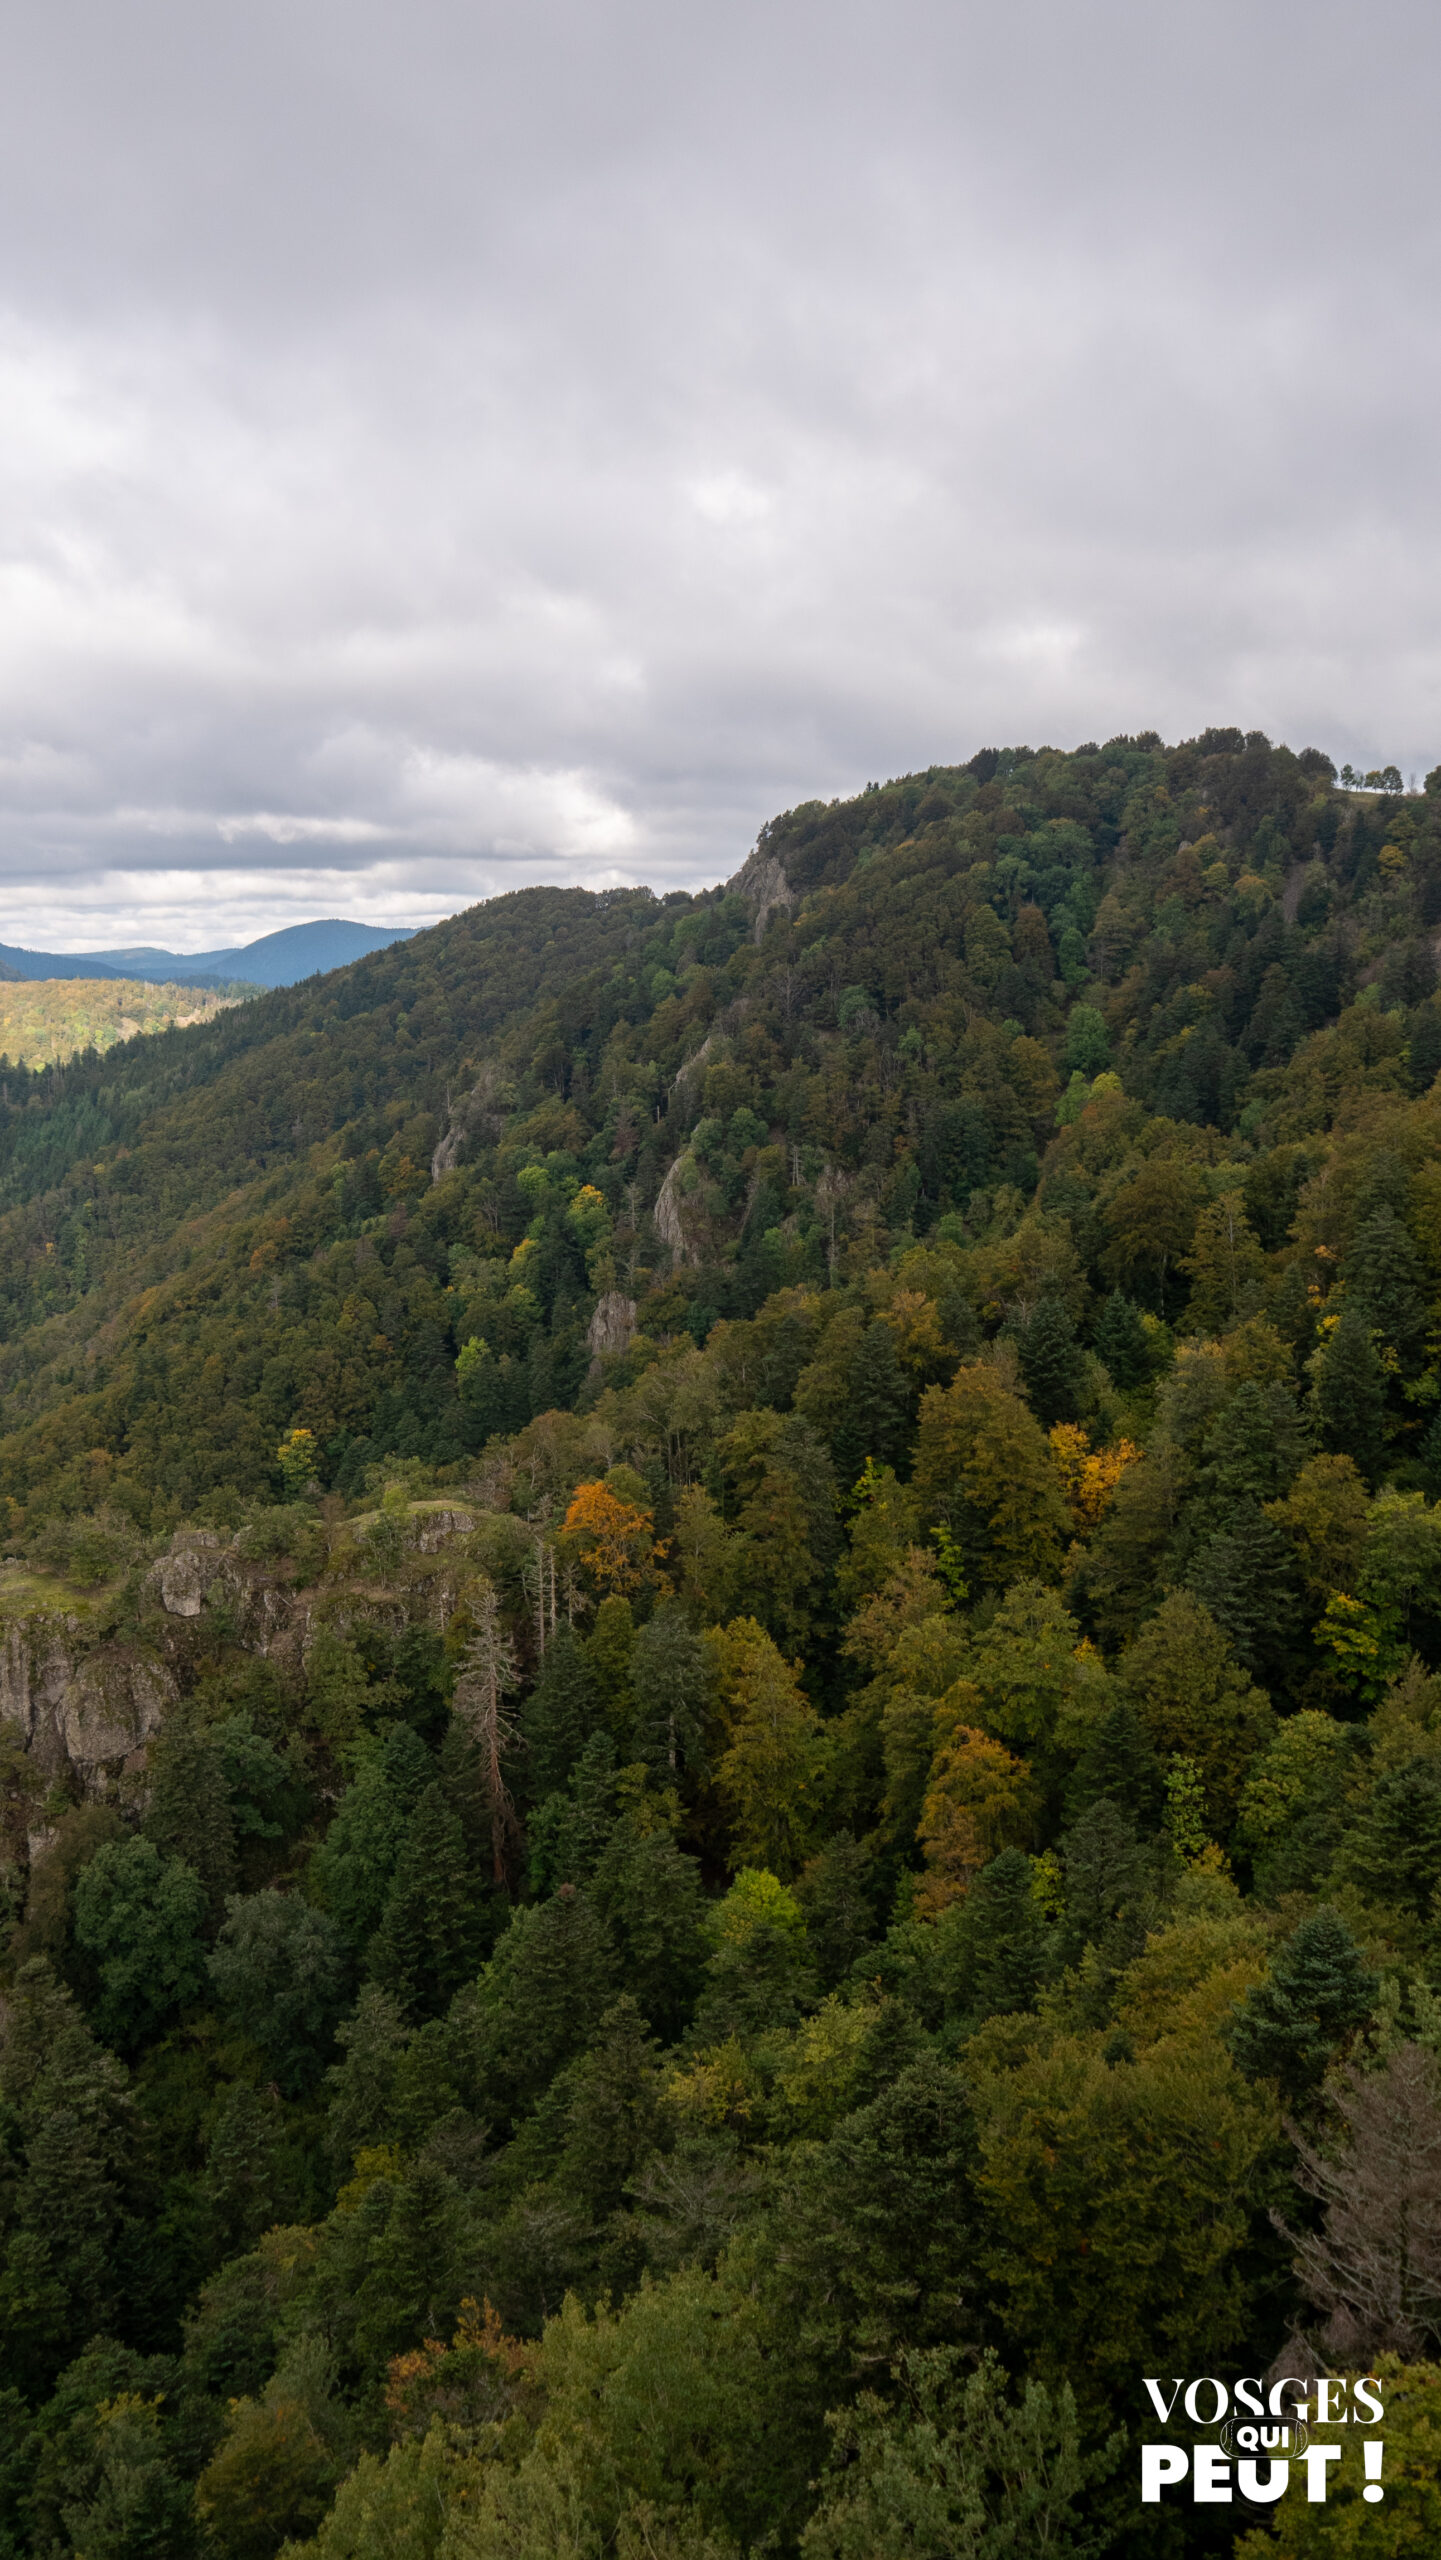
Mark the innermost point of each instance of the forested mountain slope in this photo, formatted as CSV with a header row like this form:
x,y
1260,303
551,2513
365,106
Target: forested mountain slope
x,y
721,1726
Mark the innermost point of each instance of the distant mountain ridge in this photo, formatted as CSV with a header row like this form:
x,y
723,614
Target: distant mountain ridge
x,y
279,959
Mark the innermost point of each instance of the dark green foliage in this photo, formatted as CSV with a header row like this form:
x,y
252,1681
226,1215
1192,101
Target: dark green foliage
x,y
279,1971
538,2002
559,1716
189,1814
671,1686
1120,1341
1052,1367
1004,1939
244,2177
352,1869
429,1936
1383,1283
139,1917
1350,1394
878,1410
1391,1848
1118,1762
1318,1992
649,1894
835,1890
874,2236
69,2124
1111,1885
362,2085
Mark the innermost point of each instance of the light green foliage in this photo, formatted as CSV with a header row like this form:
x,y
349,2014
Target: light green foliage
x,y
953,2470
44,1021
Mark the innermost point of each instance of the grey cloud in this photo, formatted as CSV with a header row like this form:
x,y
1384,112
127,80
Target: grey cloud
x,y
446,446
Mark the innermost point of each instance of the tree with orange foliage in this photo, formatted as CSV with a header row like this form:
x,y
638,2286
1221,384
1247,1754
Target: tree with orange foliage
x,y
613,1540
1088,1476
978,1800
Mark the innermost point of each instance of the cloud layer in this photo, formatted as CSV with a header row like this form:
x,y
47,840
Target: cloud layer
x,y
449,446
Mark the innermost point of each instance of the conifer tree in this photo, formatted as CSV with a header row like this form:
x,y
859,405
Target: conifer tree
x,y
671,1685
1119,1763
834,1890
1004,1933
1120,1341
241,2181
559,1716
1349,1395
1052,1365
189,1813
1319,1990
1382,1279
427,1942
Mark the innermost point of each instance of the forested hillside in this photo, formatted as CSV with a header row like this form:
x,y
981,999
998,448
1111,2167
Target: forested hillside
x,y
720,1752
44,1022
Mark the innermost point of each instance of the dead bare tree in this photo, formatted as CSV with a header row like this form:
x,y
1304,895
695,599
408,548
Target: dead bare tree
x,y
1374,2267
488,1673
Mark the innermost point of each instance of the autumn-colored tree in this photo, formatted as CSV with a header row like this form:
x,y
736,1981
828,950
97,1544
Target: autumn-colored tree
x,y
613,1540
978,1800
1089,1477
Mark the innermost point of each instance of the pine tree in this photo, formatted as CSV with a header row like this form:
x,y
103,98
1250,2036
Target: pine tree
x,y
1119,1763
609,1649
1120,1341
1350,1394
1052,1365
1226,1267
1005,1938
1108,1876
427,1942
1318,1991
1391,1848
671,1686
1382,1279
876,1417
241,2183
614,2116
834,1890
559,1716
189,1813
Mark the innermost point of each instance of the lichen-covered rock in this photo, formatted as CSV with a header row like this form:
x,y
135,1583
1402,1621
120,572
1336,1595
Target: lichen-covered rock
x,y
110,1708
613,1324
184,1576
38,1655
435,1529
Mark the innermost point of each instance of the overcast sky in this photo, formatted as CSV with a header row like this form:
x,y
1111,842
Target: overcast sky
x,y
447,445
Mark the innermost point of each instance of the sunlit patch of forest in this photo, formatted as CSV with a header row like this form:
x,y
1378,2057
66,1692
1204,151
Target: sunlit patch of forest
x,y
720,1721
44,1021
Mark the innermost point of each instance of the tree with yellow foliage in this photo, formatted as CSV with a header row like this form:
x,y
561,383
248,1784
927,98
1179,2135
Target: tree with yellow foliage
x,y
978,1800
613,1541
1089,1477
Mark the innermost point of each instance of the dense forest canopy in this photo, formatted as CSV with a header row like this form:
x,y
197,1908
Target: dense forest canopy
x,y
44,1021
720,1754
